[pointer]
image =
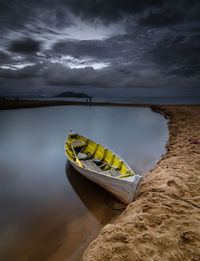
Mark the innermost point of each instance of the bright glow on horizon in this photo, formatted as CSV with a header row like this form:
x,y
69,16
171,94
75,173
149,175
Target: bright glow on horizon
x,y
78,63
17,66
65,60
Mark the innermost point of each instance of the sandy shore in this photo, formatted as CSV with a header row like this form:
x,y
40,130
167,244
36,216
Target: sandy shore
x,y
163,223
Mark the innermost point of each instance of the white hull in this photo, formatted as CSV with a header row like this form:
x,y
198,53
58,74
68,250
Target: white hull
x,y
123,189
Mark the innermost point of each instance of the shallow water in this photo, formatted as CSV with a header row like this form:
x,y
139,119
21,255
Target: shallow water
x,y
48,211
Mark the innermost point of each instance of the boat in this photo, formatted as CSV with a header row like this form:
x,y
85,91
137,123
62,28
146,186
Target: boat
x,y
102,166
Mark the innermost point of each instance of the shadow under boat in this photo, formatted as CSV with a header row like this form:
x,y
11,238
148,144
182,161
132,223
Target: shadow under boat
x,y
98,201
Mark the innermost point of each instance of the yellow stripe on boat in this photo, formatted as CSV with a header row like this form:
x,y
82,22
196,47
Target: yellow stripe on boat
x,y
97,151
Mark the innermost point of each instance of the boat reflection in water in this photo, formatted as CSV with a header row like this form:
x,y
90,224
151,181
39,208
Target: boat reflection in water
x,y
96,199
102,208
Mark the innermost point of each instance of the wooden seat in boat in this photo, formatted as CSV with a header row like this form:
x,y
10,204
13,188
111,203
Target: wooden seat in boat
x,y
77,143
113,173
89,164
82,156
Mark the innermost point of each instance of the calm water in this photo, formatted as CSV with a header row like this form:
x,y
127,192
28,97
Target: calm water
x,y
48,211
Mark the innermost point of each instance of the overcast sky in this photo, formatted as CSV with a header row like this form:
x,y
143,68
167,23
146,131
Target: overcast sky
x,y
105,48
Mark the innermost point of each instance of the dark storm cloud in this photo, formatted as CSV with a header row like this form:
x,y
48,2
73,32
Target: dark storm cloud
x,y
170,13
161,18
148,12
93,48
26,45
4,57
149,78
110,10
60,75
19,12
158,45
28,72
178,55
130,50
102,49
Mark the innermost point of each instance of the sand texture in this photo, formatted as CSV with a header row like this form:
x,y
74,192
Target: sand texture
x,y
163,223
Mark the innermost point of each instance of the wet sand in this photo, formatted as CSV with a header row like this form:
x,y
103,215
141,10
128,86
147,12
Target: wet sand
x,y
163,223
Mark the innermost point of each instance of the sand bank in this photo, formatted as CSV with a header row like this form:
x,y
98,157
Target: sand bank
x,y
163,223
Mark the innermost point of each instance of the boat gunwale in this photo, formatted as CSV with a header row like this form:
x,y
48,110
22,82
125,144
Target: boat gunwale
x,y
105,175
118,156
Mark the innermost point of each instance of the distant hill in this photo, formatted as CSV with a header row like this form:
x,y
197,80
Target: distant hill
x,y
73,94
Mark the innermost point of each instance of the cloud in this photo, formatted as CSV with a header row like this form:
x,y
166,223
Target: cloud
x,y
111,10
4,57
26,45
60,75
112,78
169,13
178,54
92,48
119,48
22,72
58,14
134,44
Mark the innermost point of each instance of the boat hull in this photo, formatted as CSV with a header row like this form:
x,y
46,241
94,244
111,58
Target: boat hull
x,y
122,189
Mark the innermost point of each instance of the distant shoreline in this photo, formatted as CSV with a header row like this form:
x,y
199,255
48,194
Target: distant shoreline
x,y
22,104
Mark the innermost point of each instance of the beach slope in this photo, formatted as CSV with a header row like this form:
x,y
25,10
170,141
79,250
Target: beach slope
x,y
163,223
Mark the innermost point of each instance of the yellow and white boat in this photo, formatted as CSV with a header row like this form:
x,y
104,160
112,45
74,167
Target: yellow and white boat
x,y
102,166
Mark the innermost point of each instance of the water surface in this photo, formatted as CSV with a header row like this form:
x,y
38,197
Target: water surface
x,y
48,211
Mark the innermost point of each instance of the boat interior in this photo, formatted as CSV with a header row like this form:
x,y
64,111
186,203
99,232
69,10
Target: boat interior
x,y
94,157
